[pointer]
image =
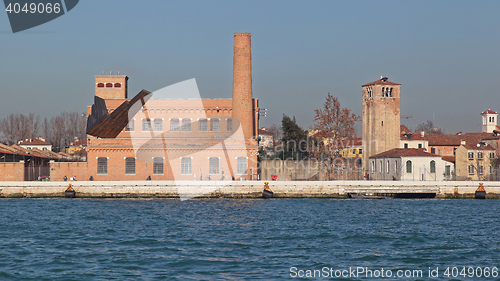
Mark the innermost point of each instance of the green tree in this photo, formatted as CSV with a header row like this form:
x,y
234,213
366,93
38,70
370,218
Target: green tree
x,y
294,140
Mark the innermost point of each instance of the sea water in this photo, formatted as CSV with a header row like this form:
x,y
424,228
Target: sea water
x,y
249,239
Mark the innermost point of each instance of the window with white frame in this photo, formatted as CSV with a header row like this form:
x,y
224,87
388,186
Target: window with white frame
x,y
213,165
186,165
186,125
158,125
214,125
174,125
158,166
471,155
130,126
203,125
241,165
102,166
146,125
229,123
130,166
471,169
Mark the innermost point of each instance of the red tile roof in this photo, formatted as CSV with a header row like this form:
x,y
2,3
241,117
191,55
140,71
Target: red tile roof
x,y
35,141
475,147
79,143
455,140
382,81
449,159
404,130
489,111
405,152
411,137
265,132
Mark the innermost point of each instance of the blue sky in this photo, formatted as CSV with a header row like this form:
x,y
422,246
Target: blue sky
x,y
444,53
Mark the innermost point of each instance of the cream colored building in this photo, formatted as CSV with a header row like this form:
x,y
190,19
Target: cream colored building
x,y
474,161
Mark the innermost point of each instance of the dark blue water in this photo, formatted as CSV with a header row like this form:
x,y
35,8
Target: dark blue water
x,y
230,239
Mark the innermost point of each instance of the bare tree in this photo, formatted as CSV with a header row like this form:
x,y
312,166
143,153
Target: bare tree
x,y
17,126
277,132
61,130
333,124
428,128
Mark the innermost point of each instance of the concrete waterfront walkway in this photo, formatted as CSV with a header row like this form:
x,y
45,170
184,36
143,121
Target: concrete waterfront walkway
x,y
239,189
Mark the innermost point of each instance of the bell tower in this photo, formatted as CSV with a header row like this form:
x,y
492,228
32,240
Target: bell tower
x,y
381,118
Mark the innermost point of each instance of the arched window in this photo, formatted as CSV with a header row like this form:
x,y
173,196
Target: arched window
x,y
241,165
174,125
146,125
130,166
214,125
388,167
118,85
186,165
213,165
433,167
158,125
102,166
186,125
390,92
100,85
383,92
158,166
408,166
109,85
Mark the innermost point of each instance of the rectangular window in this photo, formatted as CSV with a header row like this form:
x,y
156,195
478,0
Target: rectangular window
x,y
480,169
146,125
158,123
471,169
229,123
388,167
130,166
130,126
492,155
213,165
214,125
491,169
419,145
174,125
406,145
447,170
102,166
360,151
471,155
203,125
186,166
433,150
354,151
241,165
158,166
479,155
186,125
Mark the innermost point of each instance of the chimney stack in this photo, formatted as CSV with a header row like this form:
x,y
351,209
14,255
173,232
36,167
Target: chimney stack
x,y
242,84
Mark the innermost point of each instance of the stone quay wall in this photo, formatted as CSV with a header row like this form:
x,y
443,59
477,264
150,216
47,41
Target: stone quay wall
x,y
238,189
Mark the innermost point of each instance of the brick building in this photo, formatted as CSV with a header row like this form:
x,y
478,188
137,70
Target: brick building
x,y
179,139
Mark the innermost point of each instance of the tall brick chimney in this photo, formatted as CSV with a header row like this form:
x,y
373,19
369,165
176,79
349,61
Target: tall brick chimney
x,y
242,83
